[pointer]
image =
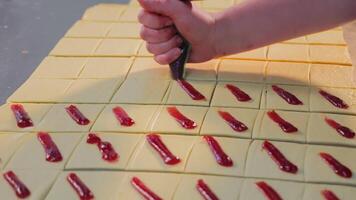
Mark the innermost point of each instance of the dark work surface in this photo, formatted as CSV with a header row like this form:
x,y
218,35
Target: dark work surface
x,y
28,31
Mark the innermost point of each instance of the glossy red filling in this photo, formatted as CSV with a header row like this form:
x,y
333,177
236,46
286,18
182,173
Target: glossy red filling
x,y
283,124
283,163
268,191
184,121
146,193
329,195
205,191
334,100
238,93
168,157
235,124
52,152
80,188
337,167
76,115
108,152
342,130
122,116
22,118
287,96
220,156
17,185
190,90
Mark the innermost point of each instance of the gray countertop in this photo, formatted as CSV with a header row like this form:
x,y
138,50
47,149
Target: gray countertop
x,y
28,31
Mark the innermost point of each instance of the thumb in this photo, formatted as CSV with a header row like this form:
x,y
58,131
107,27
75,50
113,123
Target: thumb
x,y
169,8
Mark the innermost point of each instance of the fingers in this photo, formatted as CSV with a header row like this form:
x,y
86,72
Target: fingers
x,y
168,57
154,21
157,35
160,48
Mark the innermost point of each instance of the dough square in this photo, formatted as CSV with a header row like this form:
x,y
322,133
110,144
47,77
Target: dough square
x,y
331,75
141,91
202,160
255,54
224,98
222,4
289,52
215,125
274,101
141,114
165,123
318,171
298,40
58,120
260,165
319,104
105,67
104,12
148,68
102,184
75,47
286,190
89,29
205,71
9,143
125,30
92,90
130,14
59,67
327,37
162,184
312,191
329,54
143,50
118,47
146,158
41,90
223,187
320,132
266,128
288,73
39,182
31,154
178,96
242,70
35,111
88,156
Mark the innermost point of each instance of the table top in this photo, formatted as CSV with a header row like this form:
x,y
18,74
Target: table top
x,y
28,31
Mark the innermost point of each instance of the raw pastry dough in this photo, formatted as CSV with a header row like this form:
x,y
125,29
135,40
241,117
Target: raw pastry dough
x,y
330,37
143,50
58,120
288,73
75,47
259,164
141,114
266,128
222,4
288,52
125,30
31,154
130,15
202,160
118,47
215,125
298,40
313,191
89,29
223,97
331,75
256,54
104,12
147,68
146,158
9,142
88,156
329,54
165,123
205,71
242,70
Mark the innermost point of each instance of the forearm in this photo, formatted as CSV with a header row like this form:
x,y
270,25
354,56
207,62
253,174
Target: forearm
x,y
257,23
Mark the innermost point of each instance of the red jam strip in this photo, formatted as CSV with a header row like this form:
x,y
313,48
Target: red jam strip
x,y
329,195
268,191
233,122
338,168
219,154
17,185
190,90
147,193
167,156
76,115
342,130
287,96
22,118
285,126
205,191
283,163
122,116
107,150
238,93
334,100
82,190
52,152
181,119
